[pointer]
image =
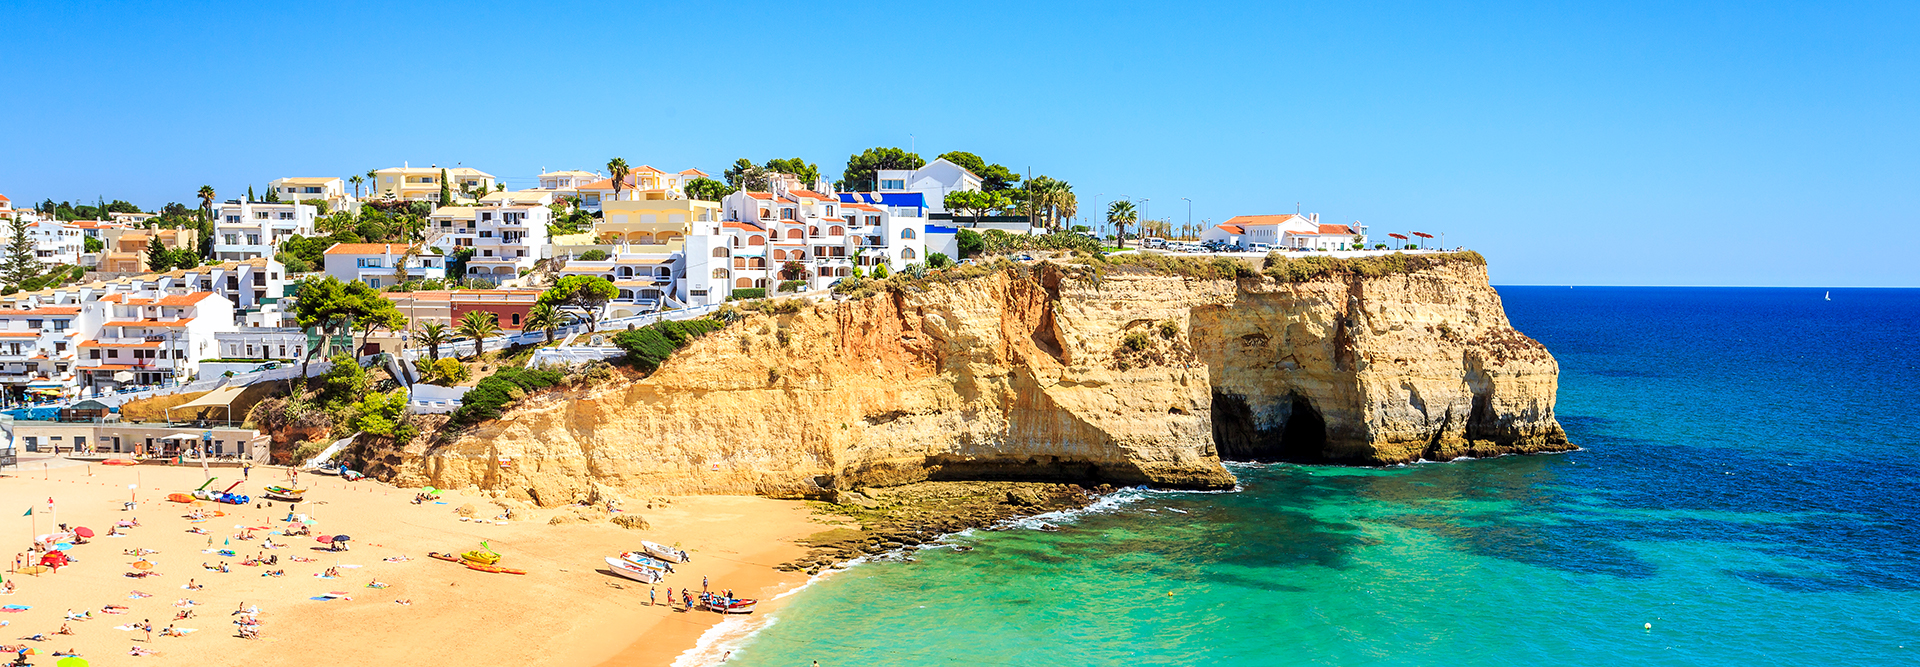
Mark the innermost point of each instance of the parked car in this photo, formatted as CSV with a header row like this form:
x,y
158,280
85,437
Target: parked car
x,y
1259,247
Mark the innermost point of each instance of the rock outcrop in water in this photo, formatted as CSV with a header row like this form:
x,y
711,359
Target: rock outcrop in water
x,y
1129,377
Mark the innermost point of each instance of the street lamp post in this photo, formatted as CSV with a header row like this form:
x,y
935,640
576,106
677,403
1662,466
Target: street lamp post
x,y
1189,212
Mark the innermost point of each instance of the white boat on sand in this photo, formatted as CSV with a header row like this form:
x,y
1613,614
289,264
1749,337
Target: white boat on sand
x,y
629,570
664,552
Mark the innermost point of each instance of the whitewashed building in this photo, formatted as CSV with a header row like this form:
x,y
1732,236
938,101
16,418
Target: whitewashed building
x,y
327,189
932,182
1290,230
245,230
55,243
150,337
377,264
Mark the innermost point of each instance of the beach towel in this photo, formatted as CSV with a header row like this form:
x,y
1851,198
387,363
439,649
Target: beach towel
x,y
135,595
15,608
126,628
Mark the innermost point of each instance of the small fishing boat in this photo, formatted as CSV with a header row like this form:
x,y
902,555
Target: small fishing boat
x,y
642,560
664,552
726,605
624,568
480,556
285,494
446,557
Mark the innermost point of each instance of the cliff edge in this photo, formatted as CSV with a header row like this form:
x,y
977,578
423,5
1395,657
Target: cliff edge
x,y
1120,376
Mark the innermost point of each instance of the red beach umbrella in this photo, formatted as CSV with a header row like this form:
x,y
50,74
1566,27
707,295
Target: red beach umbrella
x,y
324,539
83,531
1423,235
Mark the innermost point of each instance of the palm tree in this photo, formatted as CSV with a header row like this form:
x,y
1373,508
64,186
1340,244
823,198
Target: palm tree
x,y
544,318
618,167
373,178
1121,214
206,201
431,336
356,181
479,325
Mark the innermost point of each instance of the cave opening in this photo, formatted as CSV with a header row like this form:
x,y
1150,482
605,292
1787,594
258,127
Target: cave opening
x,y
1237,435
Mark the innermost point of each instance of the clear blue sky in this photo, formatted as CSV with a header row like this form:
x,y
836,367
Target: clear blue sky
x,y
1734,143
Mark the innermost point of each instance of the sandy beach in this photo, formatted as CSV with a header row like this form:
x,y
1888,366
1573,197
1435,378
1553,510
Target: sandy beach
x,y
568,610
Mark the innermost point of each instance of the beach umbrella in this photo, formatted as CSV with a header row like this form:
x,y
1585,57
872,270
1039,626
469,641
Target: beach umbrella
x,y
324,539
83,531
1423,235
71,661
341,538
142,565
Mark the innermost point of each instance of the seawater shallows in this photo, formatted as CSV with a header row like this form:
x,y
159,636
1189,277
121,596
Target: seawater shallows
x,y
1748,486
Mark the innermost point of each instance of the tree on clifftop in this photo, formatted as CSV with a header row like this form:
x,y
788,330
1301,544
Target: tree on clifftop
x,y
859,176
585,293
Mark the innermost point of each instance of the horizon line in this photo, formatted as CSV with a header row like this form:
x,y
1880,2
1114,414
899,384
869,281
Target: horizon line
x,y
1571,285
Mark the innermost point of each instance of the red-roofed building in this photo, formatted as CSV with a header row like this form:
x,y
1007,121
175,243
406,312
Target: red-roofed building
x,y
374,263
1289,230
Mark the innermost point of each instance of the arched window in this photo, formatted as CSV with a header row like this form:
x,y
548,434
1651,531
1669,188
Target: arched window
x,y
759,262
779,255
516,319
756,239
743,283
719,252
736,243
795,233
761,283
626,294
766,214
906,233
797,255
814,231
836,230
906,253
626,271
720,274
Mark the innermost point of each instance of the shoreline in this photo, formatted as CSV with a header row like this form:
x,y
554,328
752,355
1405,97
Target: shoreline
x,y
735,541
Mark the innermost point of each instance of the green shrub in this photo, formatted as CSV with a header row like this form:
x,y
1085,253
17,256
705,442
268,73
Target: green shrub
x,y
792,285
494,393
1136,341
593,255
649,346
344,383
749,293
1293,270
1169,329
447,370
937,261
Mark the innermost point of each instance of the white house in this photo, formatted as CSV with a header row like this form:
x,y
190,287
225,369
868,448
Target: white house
x,y
151,337
766,238
1291,230
55,243
506,238
245,230
376,263
932,181
567,180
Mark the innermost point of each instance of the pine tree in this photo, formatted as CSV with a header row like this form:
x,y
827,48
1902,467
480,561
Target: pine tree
x,y
159,258
20,264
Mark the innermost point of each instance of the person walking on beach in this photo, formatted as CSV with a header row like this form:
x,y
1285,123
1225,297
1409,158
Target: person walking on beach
x,y
650,596
703,584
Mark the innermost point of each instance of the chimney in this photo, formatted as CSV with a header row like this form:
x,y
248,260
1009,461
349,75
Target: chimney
x,y
1313,218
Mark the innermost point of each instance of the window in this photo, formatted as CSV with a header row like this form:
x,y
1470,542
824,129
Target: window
x,y
373,282
259,215
893,184
369,262
179,354
786,214
233,219
516,319
486,233
286,215
486,217
113,354
33,324
312,190
906,233
93,354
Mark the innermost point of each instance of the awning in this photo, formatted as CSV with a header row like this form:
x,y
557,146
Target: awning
x,y
180,436
218,398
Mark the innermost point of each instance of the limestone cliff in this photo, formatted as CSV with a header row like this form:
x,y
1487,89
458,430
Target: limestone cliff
x,y
1123,377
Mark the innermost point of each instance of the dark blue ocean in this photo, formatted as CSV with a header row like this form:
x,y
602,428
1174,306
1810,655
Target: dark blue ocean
x,y
1749,485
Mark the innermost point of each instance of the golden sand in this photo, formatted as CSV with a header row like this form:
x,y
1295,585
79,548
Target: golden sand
x,y
568,610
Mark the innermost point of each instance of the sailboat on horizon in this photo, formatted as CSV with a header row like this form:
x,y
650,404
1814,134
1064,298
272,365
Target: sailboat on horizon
x,y
1829,295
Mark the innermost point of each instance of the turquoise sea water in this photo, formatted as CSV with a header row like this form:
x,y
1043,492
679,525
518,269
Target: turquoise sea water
x,y
1749,486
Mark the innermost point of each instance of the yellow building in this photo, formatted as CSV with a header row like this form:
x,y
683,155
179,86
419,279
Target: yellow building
x,y
652,222
423,183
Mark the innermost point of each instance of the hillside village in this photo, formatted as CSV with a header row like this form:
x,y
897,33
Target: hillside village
x,y
397,268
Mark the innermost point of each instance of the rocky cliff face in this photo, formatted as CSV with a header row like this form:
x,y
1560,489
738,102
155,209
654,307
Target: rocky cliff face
x,y
1124,378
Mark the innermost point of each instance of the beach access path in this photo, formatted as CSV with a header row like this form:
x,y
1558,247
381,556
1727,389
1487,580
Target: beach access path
x,y
566,611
